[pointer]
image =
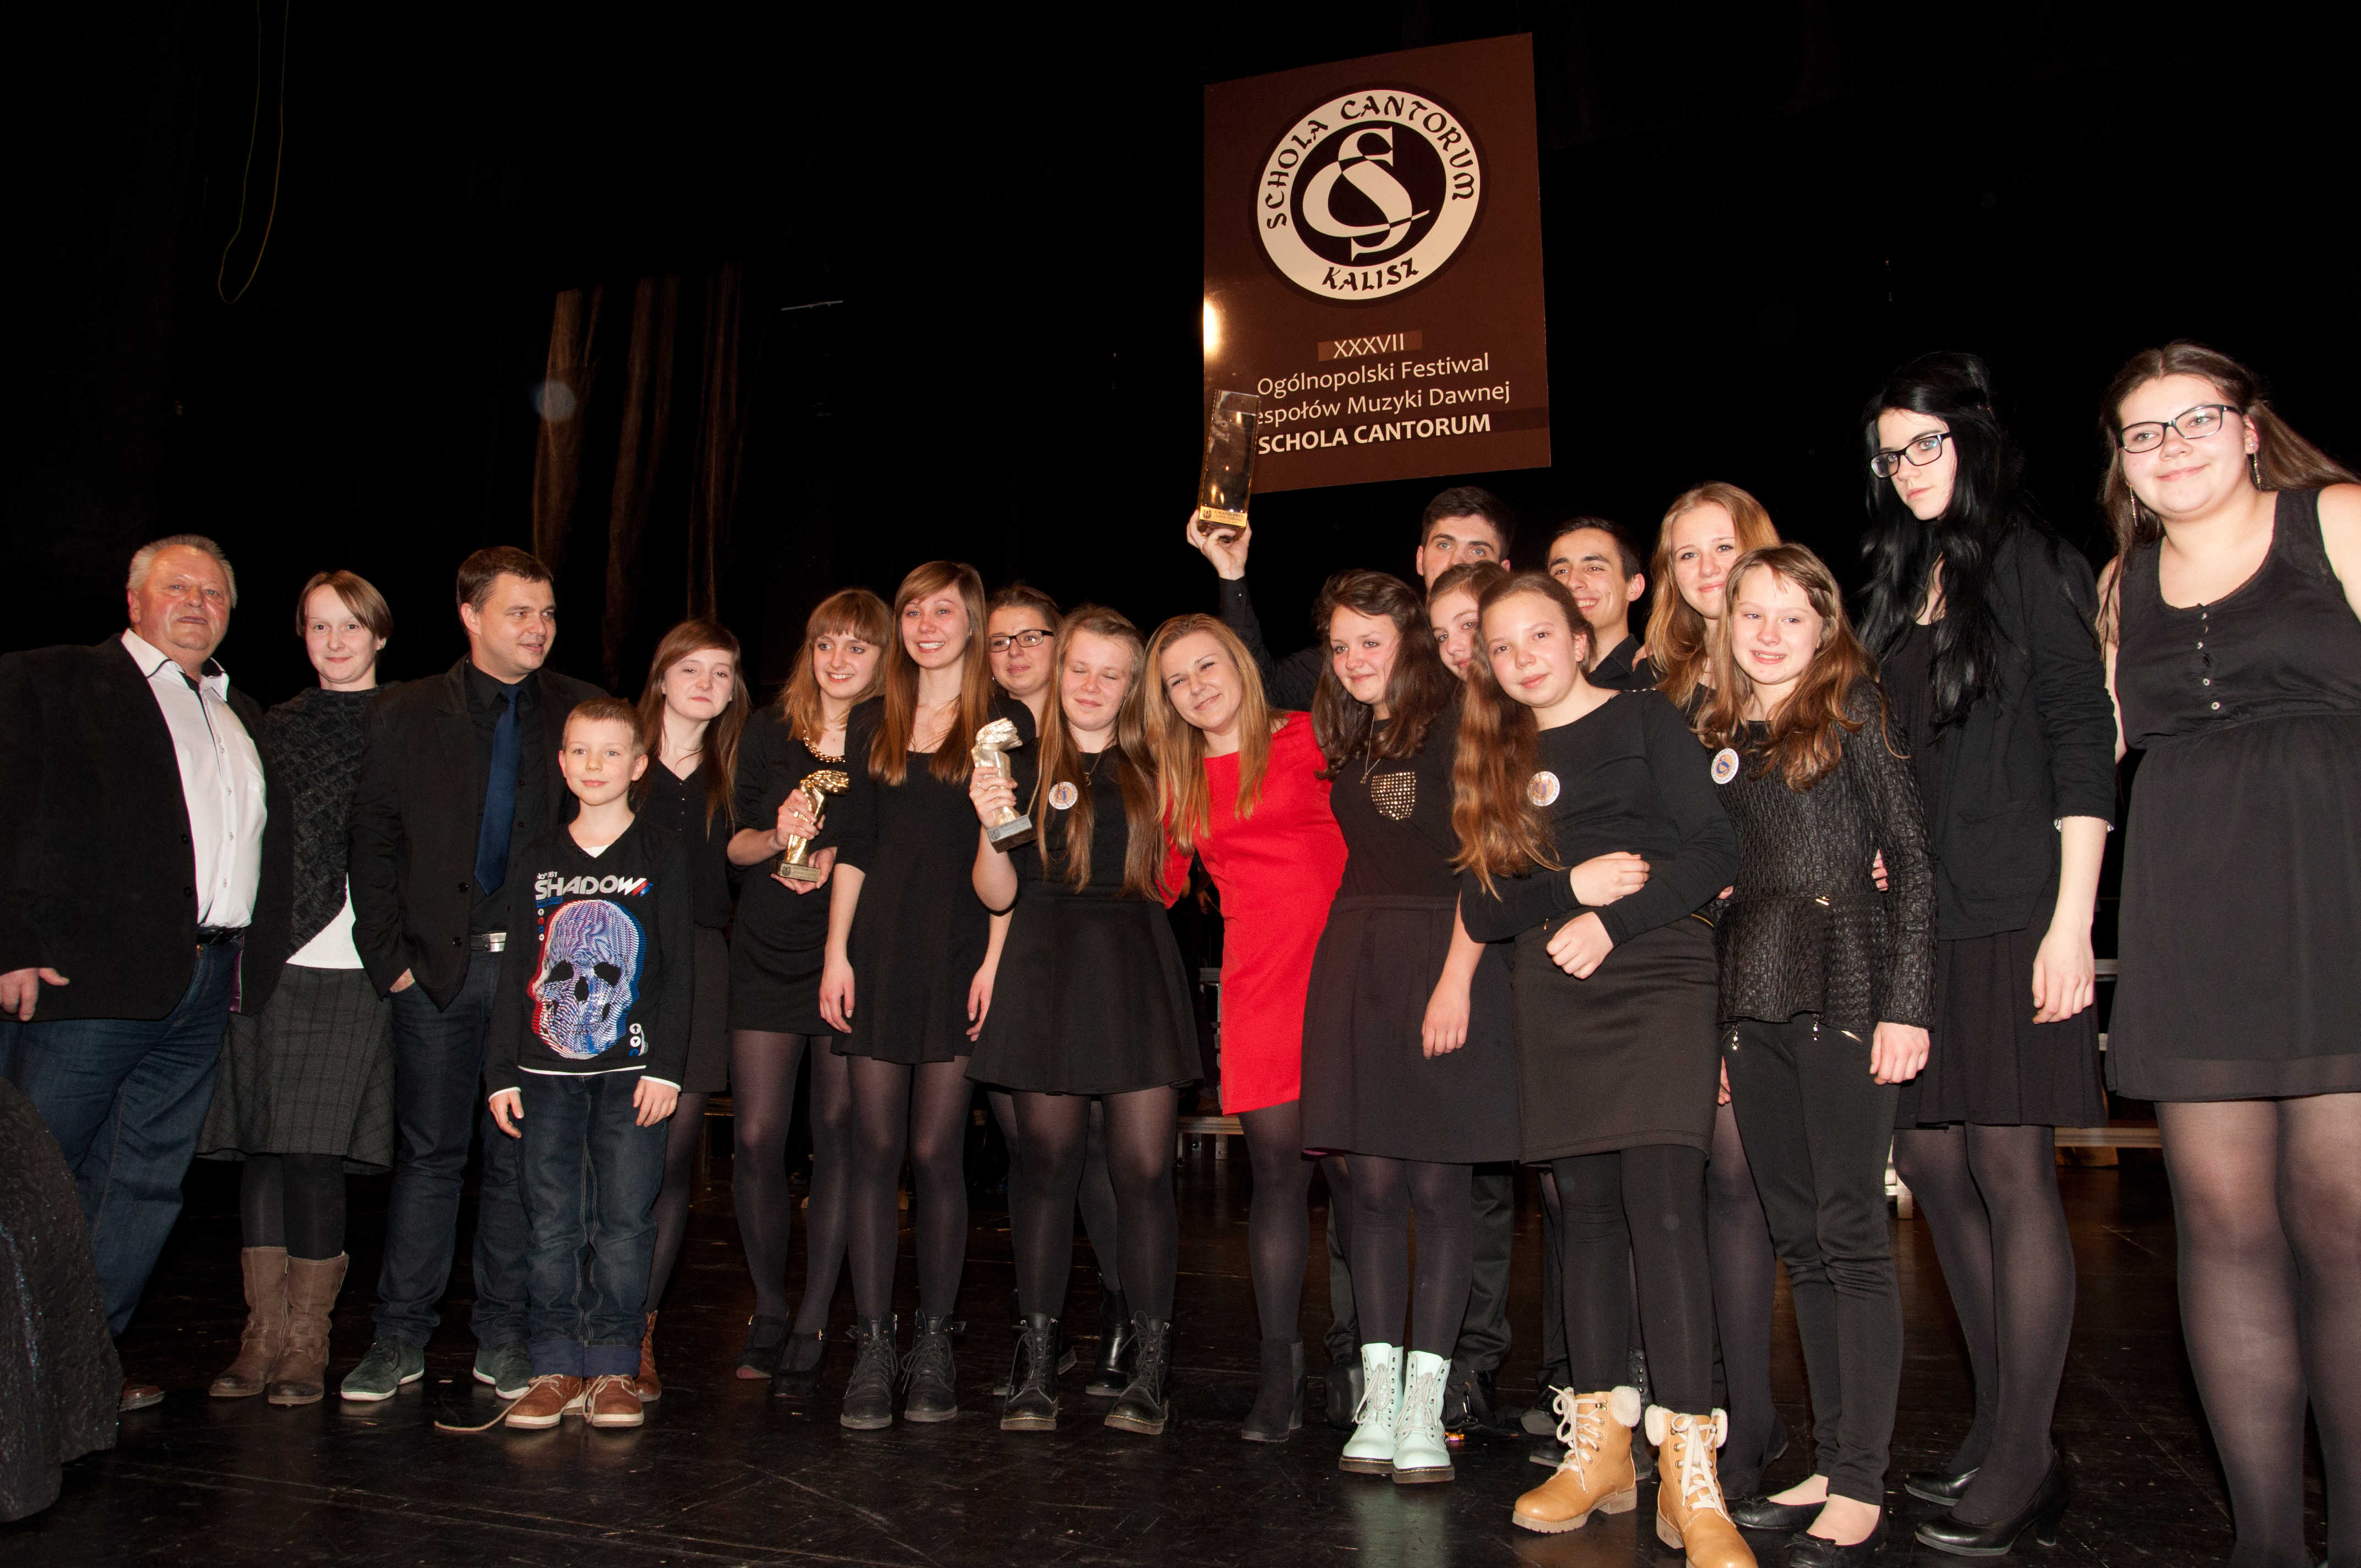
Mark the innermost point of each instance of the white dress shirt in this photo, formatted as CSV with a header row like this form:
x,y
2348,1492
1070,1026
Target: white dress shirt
x,y
221,783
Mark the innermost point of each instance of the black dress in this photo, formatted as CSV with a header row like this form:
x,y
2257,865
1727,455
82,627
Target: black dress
x,y
1367,1085
2243,865
677,804
781,938
1091,996
1989,1062
919,932
1630,1055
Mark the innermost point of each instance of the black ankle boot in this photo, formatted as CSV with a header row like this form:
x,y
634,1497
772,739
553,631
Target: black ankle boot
x,y
1015,1336
869,1392
1032,1401
1116,1339
1144,1407
1342,1385
797,1377
1279,1397
1643,1455
2038,1518
760,1355
931,1374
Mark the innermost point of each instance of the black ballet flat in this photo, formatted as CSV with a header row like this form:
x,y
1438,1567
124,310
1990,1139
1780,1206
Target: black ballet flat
x,y
2038,1518
1807,1551
1944,1487
1761,1513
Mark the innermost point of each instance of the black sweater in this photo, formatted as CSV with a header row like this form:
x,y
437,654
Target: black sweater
x,y
596,976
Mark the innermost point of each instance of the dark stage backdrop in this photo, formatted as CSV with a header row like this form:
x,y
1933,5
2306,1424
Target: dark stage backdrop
x,y
966,258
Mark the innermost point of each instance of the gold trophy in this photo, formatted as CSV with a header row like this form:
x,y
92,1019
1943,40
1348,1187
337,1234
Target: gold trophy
x,y
796,864
1226,480
1009,827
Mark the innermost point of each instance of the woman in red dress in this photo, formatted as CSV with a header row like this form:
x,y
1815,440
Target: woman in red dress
x,y
1241,791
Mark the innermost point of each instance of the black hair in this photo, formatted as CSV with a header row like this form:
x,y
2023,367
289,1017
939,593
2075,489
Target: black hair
x,y
1627,553
1469,500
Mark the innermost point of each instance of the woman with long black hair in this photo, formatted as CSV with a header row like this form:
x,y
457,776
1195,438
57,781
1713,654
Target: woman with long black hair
x,y
1982,619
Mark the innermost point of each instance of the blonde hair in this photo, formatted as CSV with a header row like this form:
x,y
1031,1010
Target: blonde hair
x,y
1677,635
1178,746
1062,763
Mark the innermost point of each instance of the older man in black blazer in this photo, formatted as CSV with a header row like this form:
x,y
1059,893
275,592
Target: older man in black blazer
x,y
461,773
135,866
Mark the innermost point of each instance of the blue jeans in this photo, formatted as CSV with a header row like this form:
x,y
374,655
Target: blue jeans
x,y
438,1104
590,1177
126,1098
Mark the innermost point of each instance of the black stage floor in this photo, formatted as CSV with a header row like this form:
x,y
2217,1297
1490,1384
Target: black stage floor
x,y
719,1474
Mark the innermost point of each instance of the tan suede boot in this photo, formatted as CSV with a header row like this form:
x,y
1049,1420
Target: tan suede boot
x,y
1691,1517
265,1324
1596,1475
303,1366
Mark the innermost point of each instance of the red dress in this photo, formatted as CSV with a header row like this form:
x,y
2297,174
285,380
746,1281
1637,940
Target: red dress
x,y
1278,870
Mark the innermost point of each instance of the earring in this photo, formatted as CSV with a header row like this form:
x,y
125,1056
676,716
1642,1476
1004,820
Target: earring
x,y
2255,466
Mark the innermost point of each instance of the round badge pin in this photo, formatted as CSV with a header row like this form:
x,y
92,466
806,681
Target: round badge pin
x,y
1543,790
1063,795
1725,766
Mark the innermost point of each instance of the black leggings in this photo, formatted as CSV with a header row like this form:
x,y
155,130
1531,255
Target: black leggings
x,y
922,1109
671,1213
1279,1219
1385,1193
1638,1211
763,1069
1096,1197
1745,1280
1055,1131
294,1200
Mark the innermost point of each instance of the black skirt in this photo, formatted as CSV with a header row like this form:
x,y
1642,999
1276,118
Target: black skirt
x,y
312,1073
1628,1058
1369,1087
775,953
1090,998
708,1018
1991,1063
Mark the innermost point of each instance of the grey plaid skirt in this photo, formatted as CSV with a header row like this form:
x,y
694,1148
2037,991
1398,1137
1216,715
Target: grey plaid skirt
x,y
313,1074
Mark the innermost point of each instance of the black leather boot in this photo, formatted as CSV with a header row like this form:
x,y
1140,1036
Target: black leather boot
x,y
797,1377
1643,1455
1116,1339
1279,1397
1032,1401
1145,1405
931,1374
869,1392
1343,1384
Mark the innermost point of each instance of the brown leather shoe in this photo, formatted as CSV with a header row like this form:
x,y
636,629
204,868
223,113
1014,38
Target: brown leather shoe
x,y
139,1396
265,1268
1596,1475
1690,1515
546,1400
298,1375
648,1386
612,1401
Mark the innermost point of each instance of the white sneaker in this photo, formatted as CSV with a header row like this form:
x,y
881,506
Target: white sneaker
x,y
1370,1450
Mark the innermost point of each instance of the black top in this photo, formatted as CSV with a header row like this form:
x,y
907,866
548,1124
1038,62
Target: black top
x,y
596,974
1806,930
1395,813
922,811
1039,872
771,762
1623,670
1287,683
1631,777
2283,643
535,757
316,737
677,806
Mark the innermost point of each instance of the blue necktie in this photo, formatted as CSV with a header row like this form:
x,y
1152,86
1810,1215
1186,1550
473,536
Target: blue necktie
x,y
499,797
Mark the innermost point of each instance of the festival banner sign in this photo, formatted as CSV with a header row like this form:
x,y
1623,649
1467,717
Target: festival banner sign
x,y
1373,265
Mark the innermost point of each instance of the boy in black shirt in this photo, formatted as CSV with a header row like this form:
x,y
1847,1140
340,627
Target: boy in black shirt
x,y
590,1037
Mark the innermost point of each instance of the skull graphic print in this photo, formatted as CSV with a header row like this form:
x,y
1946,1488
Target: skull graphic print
x,y
588,977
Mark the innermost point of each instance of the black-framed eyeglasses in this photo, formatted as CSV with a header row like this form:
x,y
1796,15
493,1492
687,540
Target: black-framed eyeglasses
x,y
1022,639
2194,423
1919,452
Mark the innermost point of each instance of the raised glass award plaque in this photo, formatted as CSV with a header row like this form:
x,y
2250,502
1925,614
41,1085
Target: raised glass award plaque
x,y
1226,480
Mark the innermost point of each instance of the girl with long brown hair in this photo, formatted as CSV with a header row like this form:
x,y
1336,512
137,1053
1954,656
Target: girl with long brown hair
x,y
1241,788
2232,614
1093,1011
1590,836
908,975
692,712
776,953
1827,989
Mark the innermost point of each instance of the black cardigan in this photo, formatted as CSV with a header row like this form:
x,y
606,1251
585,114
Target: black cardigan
x,y
97,873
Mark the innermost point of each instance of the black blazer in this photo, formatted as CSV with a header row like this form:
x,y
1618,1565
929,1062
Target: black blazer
x,y
416,814
97,873
2040,747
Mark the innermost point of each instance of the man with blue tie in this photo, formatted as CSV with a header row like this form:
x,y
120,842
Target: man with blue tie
x,y
460,772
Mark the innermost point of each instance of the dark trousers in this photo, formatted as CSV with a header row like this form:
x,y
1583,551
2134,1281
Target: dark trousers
x,y
1484,1336
1817,1129
590,1174
438,1104
126,1099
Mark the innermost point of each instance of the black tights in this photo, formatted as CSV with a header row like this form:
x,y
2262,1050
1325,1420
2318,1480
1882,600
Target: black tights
x,y
1138,1138
1638,1211
762,1067
671,1213
1991,1200
1096,1197
2267,1200
1385,1193
1745,1278
1279,1220
923,1108
294,1200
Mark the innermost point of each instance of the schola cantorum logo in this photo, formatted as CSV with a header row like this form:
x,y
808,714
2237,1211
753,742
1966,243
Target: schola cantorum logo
x,y
1369,194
